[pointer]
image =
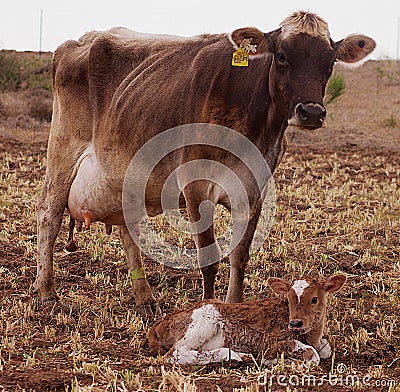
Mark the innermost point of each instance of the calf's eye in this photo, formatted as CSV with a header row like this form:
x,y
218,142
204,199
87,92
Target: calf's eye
x,y
314,300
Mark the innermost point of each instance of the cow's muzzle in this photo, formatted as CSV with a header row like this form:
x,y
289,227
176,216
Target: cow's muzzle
x,y
308,115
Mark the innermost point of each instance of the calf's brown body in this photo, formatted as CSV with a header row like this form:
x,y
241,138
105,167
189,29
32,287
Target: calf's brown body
x,y
262,328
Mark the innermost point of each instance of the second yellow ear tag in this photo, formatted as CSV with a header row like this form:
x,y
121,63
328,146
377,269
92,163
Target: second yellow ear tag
x,y
240,58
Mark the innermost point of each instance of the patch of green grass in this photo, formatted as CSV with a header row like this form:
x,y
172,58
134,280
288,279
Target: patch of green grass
x,y
391,122
10,77
335,88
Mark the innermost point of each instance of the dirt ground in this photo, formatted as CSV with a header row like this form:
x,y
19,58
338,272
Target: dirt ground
x,y
338,209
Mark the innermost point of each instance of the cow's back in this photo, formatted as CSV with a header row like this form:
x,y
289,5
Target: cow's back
x,y
84,72
106,67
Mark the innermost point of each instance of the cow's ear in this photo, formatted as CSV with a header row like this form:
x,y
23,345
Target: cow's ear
x,y
334,283
279,286
255,38
354,48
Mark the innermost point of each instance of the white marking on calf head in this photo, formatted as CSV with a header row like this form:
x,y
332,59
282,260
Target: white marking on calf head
x,y
299,286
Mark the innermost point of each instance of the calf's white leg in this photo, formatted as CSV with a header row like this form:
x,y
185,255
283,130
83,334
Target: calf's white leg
x,y
309,352
194,357
203,341
324,349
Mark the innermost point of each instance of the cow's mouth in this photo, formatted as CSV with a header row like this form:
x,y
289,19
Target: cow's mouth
x,y
307,128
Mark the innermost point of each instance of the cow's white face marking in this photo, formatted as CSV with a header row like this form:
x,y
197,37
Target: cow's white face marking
x,y
299,286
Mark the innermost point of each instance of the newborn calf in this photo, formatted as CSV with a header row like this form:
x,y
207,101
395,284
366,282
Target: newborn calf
x,y
214,331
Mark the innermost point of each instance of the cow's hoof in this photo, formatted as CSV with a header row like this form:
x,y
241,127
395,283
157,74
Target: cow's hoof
x,y
71,246
148,310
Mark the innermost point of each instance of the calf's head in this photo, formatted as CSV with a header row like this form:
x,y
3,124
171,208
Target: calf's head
x,y
307,299
302,58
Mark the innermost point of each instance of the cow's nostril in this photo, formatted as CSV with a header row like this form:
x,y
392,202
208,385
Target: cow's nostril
x,y
295,323
302,113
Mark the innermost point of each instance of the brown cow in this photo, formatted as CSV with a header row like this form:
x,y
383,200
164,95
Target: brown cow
x,y
116,90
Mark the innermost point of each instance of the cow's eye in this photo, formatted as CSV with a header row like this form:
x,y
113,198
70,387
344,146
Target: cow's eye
x,y
314,300
281,57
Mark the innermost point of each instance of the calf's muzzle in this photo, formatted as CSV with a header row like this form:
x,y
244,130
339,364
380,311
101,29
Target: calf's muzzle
x,y
295,325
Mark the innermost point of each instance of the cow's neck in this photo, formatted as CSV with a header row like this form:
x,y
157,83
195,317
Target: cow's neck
x,y
270,140
267,122
268,136
241,99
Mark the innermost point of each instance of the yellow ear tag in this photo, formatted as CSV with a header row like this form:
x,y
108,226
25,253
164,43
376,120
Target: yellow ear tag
x,y
240,58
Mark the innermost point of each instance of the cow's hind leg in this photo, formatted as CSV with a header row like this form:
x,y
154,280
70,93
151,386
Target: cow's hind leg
x,y
71,245
50,211
145,303
64,149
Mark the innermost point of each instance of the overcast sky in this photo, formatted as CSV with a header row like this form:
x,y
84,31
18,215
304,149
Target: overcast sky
x,y
62,20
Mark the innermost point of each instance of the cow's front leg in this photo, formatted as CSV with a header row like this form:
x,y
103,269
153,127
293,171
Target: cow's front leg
x,y
209,273
145,303
201,215
242,236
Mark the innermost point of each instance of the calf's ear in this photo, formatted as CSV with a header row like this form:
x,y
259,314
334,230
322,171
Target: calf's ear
x,y
257,38
354,48
335,283
279,286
